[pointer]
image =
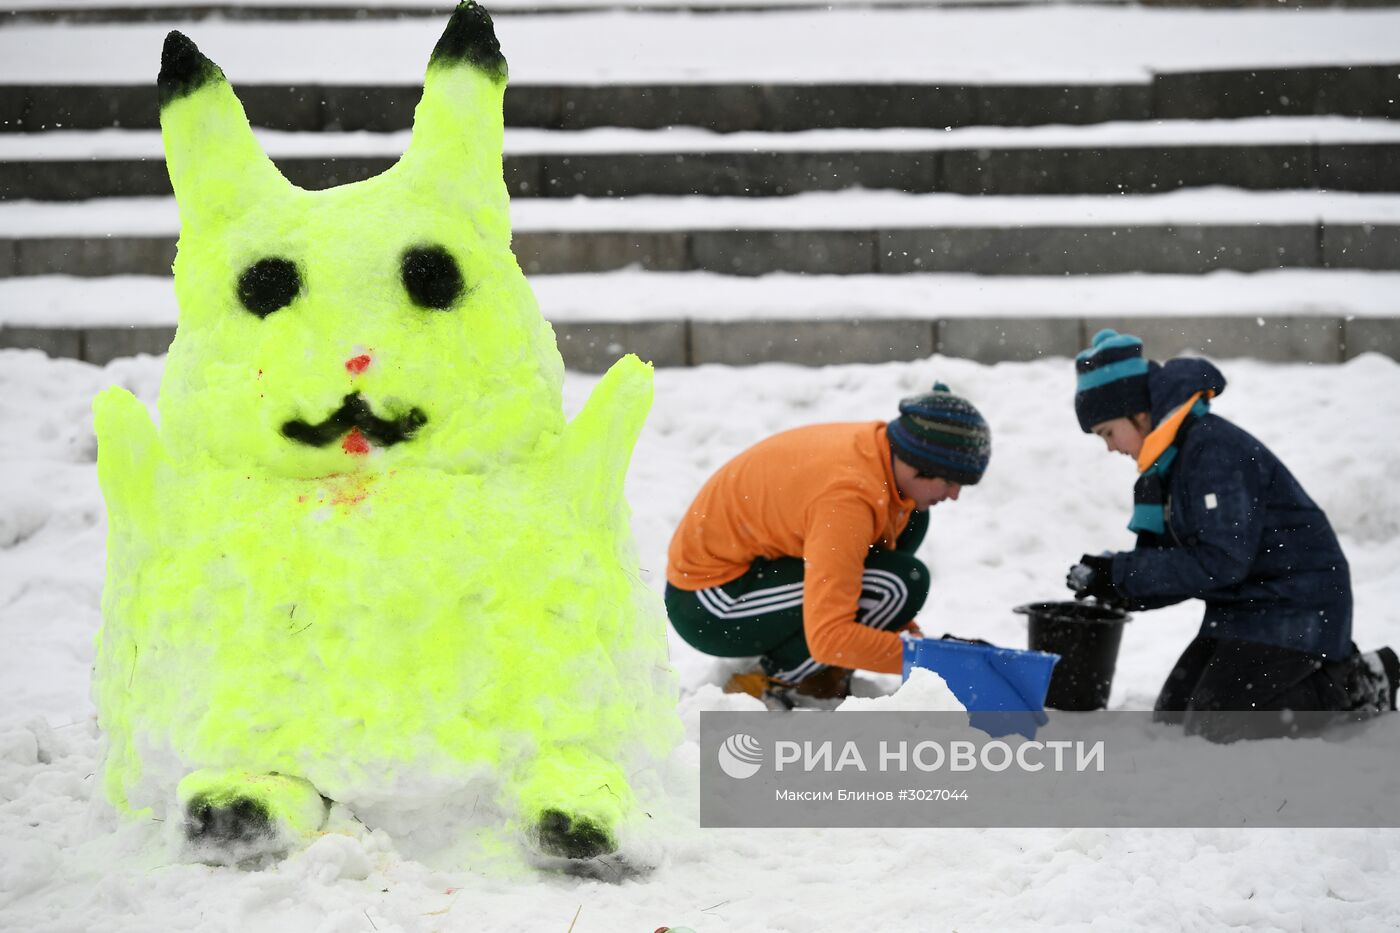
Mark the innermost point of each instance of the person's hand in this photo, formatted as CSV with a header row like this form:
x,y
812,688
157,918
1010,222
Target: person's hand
x,y
1093,576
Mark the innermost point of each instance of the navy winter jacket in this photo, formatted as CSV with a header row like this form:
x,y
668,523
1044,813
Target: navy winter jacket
x,y
1242,535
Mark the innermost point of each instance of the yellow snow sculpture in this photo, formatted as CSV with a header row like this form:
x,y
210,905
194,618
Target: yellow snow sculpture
x,y
364,558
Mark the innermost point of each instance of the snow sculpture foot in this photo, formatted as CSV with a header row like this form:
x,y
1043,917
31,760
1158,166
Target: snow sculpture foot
x,y
557,833
235,816
576,801
240,822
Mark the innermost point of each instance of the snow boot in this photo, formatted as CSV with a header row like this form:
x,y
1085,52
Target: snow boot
x,y
829,683
772,692
1382,669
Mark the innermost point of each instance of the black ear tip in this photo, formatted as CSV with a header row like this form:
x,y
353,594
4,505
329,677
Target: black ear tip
x,y
471,37
176,42
183,68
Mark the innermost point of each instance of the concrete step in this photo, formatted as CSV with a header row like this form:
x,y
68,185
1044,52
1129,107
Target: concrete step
x,y
1163,249
593,346
768,165
692,318
1357,91
1159,249
846,233
1073,250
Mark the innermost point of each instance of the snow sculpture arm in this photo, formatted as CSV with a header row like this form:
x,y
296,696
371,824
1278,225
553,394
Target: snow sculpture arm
x,y
598,443
129,452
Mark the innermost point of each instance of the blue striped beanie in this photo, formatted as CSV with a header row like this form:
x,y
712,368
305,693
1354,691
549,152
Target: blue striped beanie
x,y
943,435
1112,379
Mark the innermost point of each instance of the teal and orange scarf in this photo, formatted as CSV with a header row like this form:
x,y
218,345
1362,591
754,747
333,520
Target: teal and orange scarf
x,y
1154,463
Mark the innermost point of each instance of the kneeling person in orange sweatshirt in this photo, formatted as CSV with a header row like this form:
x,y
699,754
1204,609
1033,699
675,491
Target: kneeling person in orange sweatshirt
x,y
801,548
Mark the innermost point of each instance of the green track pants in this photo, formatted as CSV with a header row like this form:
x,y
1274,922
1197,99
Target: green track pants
x,y
760,613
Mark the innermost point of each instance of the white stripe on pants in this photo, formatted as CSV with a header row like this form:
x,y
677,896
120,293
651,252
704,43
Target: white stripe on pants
x,y
882,600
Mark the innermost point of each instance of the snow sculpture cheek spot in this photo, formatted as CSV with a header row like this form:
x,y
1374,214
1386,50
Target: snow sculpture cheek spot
x,y
356,365
348,490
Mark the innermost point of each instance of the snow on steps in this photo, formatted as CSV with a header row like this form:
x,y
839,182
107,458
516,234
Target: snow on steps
x,y
1369,89
696,318
1012,46
849,232
1331,153
790,71
98,11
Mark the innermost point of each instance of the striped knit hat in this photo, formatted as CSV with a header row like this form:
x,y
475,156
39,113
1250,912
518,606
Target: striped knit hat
x,y
942,435
1112,379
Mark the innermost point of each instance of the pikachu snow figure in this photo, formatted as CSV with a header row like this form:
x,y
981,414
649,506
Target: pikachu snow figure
x,y
364,559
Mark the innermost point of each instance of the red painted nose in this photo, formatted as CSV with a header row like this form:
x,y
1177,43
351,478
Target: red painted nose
x,y
355,443
357,364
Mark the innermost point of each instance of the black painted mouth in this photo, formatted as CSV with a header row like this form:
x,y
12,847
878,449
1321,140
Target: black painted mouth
x,y
356,413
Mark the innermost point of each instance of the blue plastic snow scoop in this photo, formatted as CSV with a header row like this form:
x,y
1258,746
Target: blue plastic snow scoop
x,y
1002,688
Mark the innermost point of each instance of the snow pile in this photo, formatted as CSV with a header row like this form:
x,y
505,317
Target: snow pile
x,y
923,691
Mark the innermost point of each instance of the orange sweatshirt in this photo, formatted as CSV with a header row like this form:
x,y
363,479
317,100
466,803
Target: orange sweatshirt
x,y
825,493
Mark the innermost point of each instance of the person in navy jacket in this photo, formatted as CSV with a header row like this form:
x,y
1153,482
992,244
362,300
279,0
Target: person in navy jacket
x,y
1219,518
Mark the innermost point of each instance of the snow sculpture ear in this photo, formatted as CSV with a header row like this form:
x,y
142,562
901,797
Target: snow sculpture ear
x,y
216,166
455,152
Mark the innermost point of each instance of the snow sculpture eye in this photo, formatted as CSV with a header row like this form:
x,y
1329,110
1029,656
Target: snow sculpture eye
x,y
268,285
431,277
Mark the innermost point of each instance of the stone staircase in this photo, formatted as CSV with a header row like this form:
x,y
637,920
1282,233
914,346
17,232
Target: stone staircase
x,y
1250,170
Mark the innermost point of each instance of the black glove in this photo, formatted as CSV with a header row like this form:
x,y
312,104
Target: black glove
x,y
1093,576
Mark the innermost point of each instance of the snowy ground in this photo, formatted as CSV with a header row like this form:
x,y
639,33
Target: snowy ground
x,y
1050,494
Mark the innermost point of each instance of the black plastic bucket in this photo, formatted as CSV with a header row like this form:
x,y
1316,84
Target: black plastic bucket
x,y
1086,637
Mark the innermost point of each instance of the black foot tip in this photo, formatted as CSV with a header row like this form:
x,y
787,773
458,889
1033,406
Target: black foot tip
x,y
470,37
241,821
557,833
183,68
